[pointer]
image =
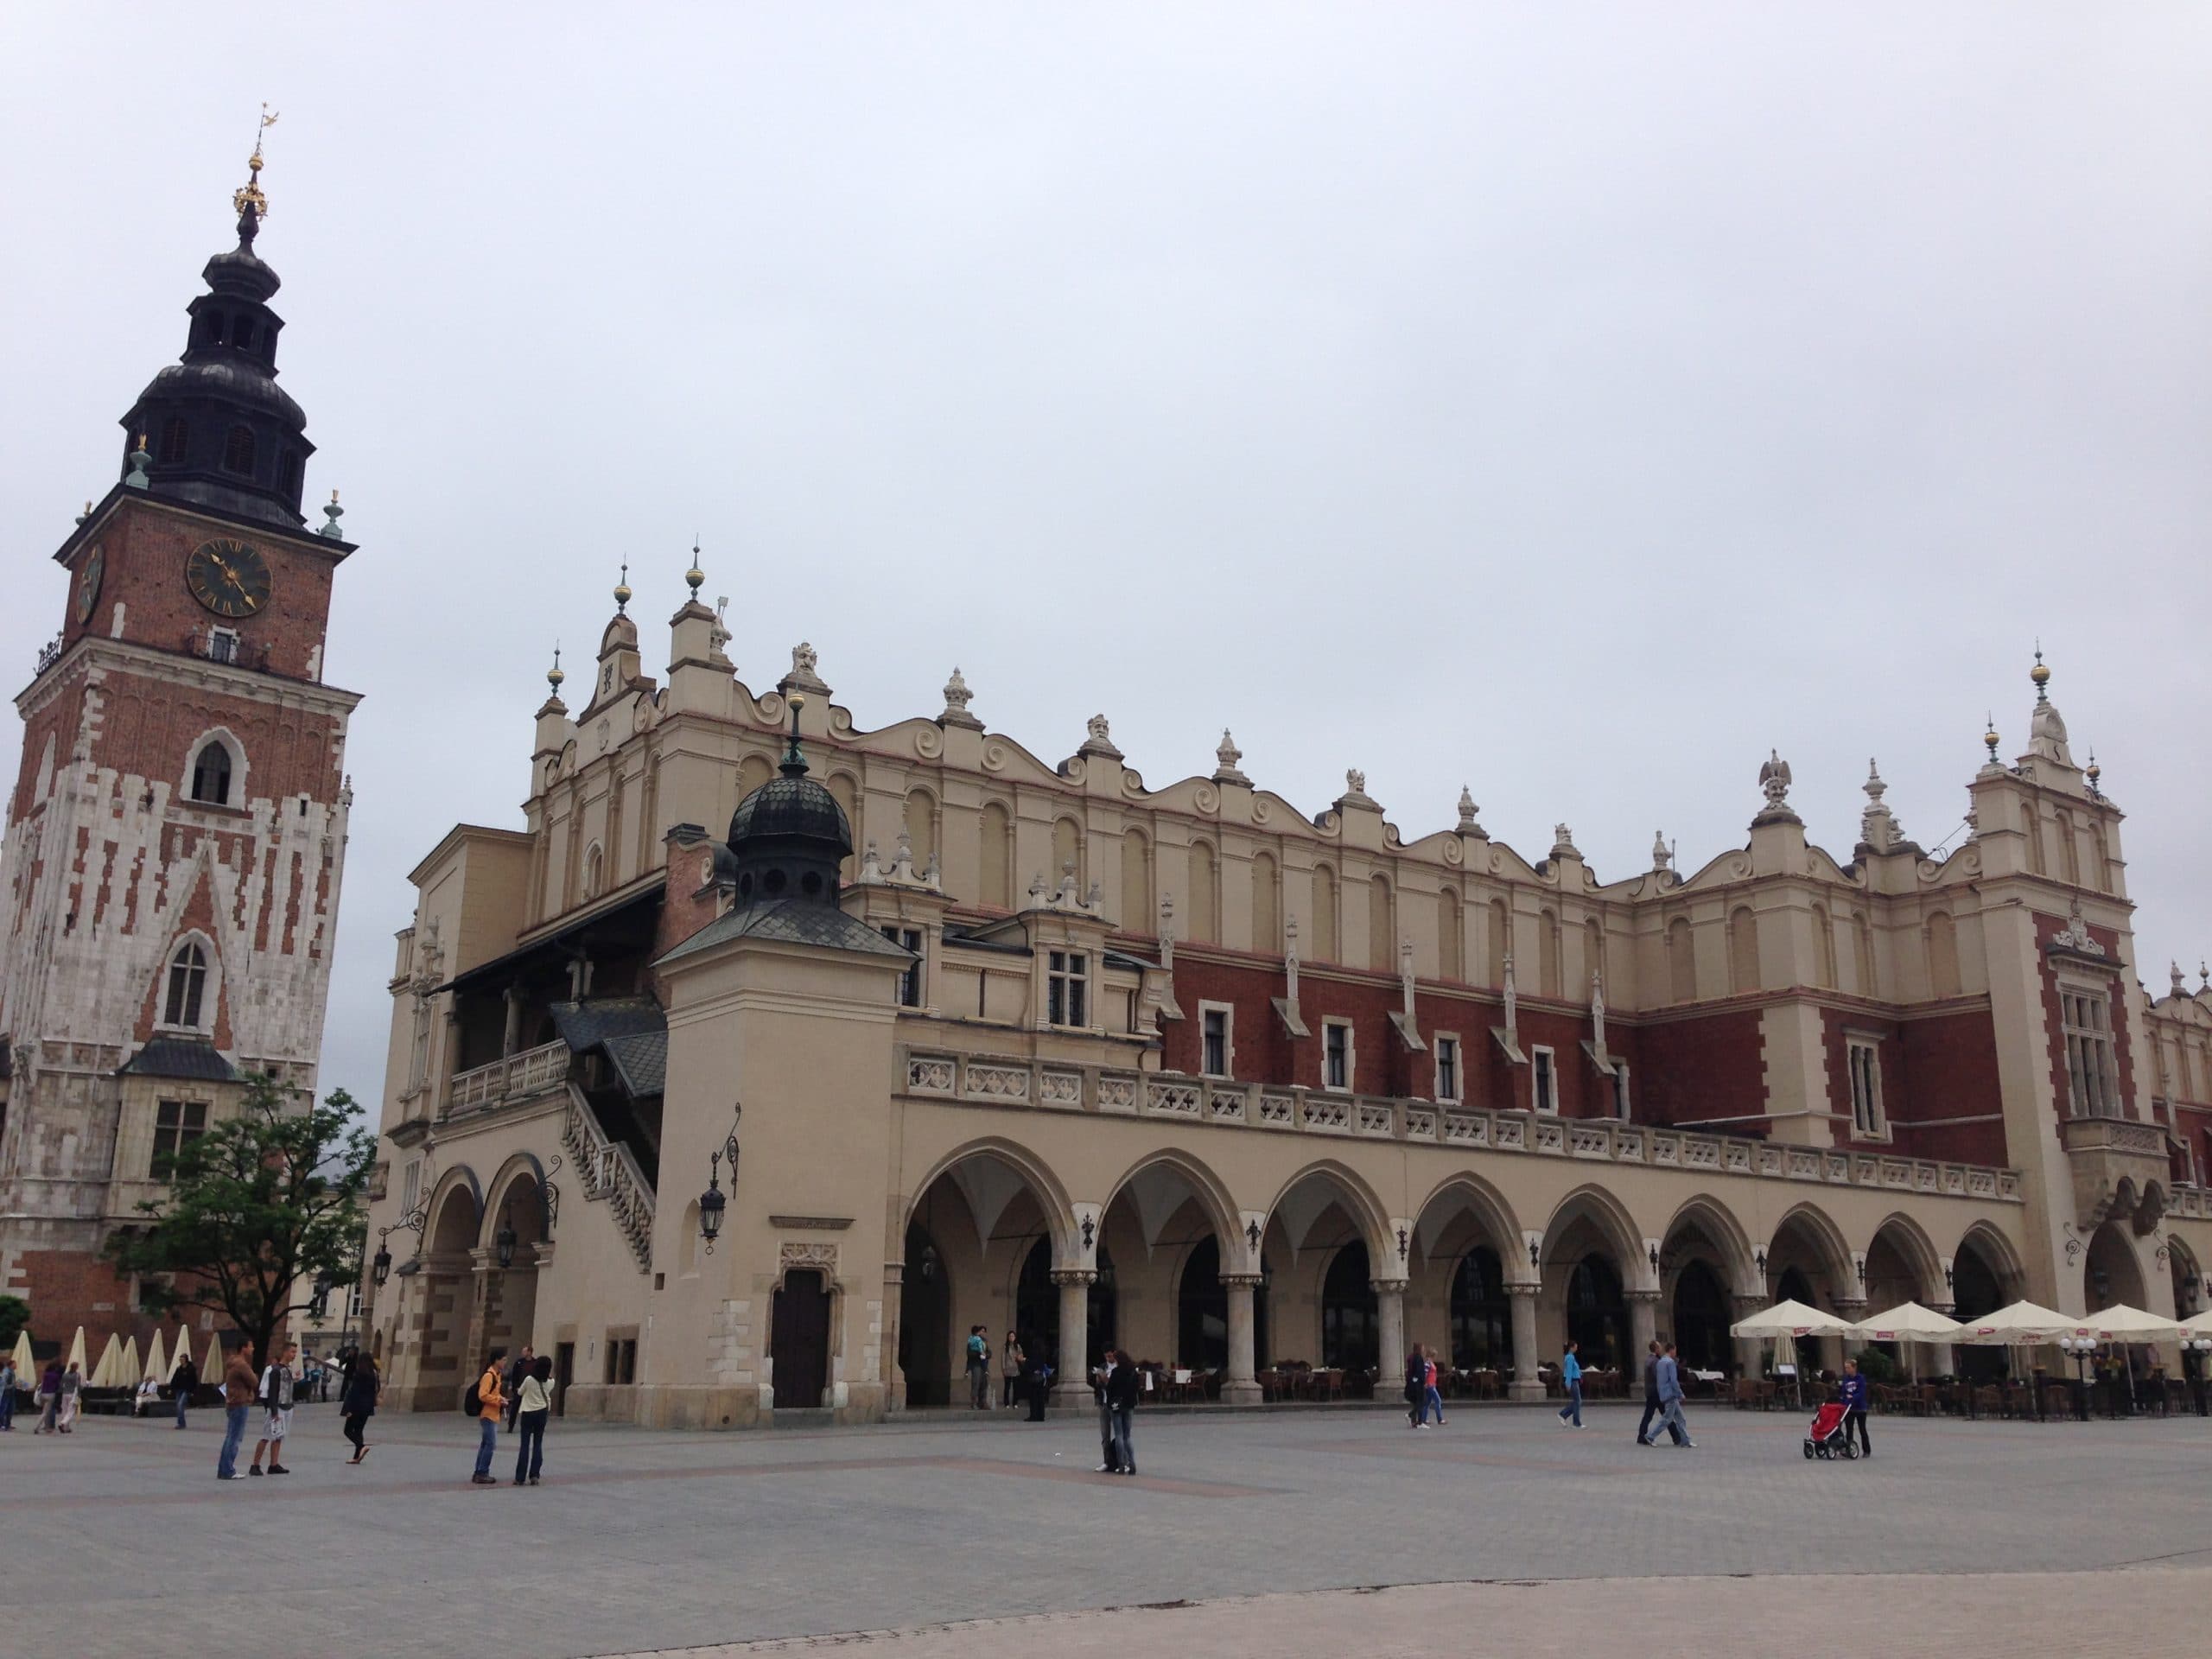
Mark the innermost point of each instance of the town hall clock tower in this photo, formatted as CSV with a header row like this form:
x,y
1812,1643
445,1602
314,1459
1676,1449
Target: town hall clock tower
x,y
177,828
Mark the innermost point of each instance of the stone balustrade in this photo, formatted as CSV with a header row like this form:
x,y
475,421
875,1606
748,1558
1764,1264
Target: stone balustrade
x,y
534,1071
996,1080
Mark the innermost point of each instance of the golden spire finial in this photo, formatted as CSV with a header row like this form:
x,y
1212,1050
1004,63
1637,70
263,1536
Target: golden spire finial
x,y
249,194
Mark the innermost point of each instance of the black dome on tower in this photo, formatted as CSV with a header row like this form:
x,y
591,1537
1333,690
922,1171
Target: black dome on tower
x,y
789,835
219,431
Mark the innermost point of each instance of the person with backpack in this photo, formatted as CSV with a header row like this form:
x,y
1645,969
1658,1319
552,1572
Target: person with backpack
x,y
979,1368
485,1403
237,1400
182,1381
274,1397
533,1407
358,1401
1570,1382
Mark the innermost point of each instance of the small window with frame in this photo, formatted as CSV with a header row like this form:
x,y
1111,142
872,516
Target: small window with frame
x,y
2092,1083
1338,1057
1067,985
909,982
177,1124
1863,1063
1216,1044
1447,1066
1543,1080
1620,1091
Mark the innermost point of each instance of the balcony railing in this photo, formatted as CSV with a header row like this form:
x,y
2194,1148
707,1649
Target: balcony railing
x,y
1004,1081
533,1072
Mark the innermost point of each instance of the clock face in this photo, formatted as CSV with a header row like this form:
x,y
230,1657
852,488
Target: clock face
x,y
88,582
229,578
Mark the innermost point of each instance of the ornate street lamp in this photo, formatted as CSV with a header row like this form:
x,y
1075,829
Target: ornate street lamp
x,y
503,1242
380,1265
712,1202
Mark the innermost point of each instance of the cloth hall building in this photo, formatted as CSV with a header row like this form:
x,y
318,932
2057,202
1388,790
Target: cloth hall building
x,y
771,1052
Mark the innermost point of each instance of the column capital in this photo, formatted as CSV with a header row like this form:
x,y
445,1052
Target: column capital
x,y
1243,1280
1750,1303
1650,1296
1519,1293
1393,1287
1066,1276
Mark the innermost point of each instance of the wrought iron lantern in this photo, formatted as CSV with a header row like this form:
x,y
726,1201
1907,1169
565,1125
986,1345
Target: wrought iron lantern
x,y
712,1202
503,1242
380,1265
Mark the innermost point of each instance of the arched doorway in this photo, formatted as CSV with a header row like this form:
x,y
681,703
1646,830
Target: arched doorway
x,y
799,1342
1202,1310
1482,1314
1597,1314
926,1322
446,1284
510,1297
2110,1274
1351,1331
1975,1290
1702,1320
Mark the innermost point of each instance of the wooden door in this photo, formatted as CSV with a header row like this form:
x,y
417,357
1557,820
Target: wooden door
x,y
564,1372
800,1345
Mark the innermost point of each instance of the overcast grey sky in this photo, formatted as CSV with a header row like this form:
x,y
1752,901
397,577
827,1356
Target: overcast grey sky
x,y
1573,401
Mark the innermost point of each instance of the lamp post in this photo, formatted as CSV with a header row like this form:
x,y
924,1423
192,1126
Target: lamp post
x,y
503,1242
712,1202
2200,1346
380,1265
2081,1348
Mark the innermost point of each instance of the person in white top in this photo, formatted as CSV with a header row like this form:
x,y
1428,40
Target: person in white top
x,y
533,1406
277,1399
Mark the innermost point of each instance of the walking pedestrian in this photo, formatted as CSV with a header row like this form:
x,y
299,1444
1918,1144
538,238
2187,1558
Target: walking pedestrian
x,y
237,1400
518,1369
7,1392
182,1381
1416,1376
49,1396
1038,1381
358,1403
1110,1459
1652,1407
489,1404
1669,1372
533,1406
1432,1390
979,1368
73,1384
278,1383
1570,1381
1853,1393
1123,1388
1010,1370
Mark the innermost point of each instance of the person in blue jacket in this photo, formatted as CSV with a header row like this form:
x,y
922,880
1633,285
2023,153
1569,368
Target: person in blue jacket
x,y
1851,1392
1570,1380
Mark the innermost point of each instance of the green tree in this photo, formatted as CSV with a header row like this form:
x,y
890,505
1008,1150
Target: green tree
x,y
258,1208
15,1314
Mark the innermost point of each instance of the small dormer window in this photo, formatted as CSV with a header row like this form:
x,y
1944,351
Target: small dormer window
x,y
1066,984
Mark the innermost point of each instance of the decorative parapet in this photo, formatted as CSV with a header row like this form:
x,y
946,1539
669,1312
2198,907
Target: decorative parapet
x,y
998,1080
519,1077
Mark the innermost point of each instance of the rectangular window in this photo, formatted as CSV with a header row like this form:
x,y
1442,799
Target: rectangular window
x,y
1335,1054
1213,1022
621,1360
1066,981
1448,1068
410,1186
909,982
177,1124
1620,1090
1863,1059
1544,1079
222,645
2092,1082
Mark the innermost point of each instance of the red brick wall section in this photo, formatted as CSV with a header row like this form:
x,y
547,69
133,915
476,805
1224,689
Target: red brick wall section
x,y
1939,1068
146,545
2106,973
685,908
1694,1069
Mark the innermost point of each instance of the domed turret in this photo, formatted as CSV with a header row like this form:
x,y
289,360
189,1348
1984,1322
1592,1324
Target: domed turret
x,y
219,429
789,835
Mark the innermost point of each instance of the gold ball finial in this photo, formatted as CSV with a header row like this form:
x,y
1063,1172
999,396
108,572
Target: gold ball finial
x,y
796,699
622,590
1990,737
695,577
553,675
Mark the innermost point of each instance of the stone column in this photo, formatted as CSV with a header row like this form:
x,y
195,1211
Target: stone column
x,y
1526,1383
1072,1386
1750,1350
1642,1328
1941,1360
1390,1308
1242,1386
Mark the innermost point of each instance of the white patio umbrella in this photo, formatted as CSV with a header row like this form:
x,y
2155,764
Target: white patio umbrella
x,y
2023,1322
2198,1324
1909,1322
23,1360
2128,1324
182,1351
157,1363
1785,1322
76,1355
128,1372
102,1375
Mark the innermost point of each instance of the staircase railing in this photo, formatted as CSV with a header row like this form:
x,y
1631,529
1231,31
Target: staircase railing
x,y
607,1172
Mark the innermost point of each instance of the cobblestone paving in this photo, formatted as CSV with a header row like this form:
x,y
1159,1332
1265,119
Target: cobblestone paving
x,y
120,1541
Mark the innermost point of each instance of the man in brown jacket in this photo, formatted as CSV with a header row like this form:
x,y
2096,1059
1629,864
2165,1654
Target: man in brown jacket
x,y
237,1400
491,1405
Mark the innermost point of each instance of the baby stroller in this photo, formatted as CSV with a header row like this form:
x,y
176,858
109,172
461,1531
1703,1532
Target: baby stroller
x,y
1826,1439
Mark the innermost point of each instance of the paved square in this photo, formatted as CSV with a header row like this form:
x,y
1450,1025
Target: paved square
x,y
122,1542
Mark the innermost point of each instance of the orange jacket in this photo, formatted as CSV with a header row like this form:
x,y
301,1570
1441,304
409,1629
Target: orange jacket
x,y
493,1404
240,1382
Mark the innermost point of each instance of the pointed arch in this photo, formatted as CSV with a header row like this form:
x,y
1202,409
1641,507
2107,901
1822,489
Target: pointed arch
x,y
521,1166
1267,904
1492,1212
1205,926
1358,1200
1831,1250
1911,1242
1718,1223
455,1209
1139,912
201,768
1212,1195
1044,1185
1610,1217
1998,1254
189,991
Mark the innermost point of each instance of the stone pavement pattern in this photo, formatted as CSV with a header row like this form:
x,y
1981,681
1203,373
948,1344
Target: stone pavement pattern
x,y
122,1542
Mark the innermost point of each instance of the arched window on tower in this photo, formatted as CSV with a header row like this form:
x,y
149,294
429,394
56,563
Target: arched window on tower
x,y
174,431
187,986
237,451
211,775
293,474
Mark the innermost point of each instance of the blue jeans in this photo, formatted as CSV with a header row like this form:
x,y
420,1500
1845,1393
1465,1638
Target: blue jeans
x,y
183,1399
233,1432
530,1449
1123,1454
1572,1411
487,1443
1433,1401
1670,1419
7,1408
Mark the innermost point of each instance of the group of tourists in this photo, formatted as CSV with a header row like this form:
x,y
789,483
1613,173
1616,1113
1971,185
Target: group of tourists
x,y
519,1394
1423,1396
59,1389
1025,1379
